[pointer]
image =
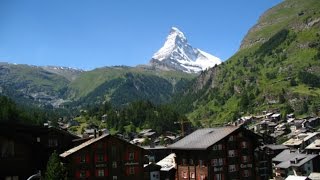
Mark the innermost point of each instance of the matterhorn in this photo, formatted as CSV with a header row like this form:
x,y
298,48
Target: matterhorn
x,y
177,54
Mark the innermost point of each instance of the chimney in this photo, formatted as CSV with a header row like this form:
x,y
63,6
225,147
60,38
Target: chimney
x,y
95,133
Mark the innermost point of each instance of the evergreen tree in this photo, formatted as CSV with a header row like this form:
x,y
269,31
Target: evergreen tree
x,y
55,170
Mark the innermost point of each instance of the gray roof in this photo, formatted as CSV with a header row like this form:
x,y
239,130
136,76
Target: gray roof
x,y
203,138
286,156
276,146
314,176
314,145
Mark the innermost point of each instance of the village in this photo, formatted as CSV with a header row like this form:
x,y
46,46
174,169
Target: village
x,y
253,147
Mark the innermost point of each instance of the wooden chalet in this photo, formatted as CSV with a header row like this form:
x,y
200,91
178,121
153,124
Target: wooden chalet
x,y
25,149
218,154
105,157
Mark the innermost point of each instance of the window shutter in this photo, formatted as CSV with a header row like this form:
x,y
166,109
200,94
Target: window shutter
x,y
136,170
97,172
136,155
77,159
127,155
224,161
87,173
106,172
78,174
96,157
105,157
87,158
127,170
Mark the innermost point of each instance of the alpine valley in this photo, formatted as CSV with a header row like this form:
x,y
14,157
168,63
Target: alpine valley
x,y
157,82
276,67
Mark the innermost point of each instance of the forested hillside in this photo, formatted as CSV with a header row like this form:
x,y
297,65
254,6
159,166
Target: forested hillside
x,y
277,67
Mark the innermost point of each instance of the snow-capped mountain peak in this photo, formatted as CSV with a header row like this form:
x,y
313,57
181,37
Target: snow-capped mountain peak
x,y
178,54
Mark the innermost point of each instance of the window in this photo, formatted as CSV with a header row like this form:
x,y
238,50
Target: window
x,y
131,155
82,174
114,177
100,172
214,162
220,161
201,163
184,175
246,173
82,158
131,170
184,161
231,153
192,175
214,147
99,157
217,162
218,176
232,168
231,138
53,143
113,151
244,144
202,177
191,161
11,178
217,147
114,164
244,159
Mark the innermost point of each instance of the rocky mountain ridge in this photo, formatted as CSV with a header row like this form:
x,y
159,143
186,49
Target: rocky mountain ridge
x,y
178,54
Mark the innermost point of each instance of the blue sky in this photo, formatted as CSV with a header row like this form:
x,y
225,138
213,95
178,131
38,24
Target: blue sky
x,y
94,33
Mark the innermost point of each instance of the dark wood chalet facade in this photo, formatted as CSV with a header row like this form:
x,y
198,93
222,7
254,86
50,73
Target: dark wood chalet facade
x,y
218,154
105,157
25,149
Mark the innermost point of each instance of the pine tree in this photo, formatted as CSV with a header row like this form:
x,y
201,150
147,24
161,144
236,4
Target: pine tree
x,y
55,170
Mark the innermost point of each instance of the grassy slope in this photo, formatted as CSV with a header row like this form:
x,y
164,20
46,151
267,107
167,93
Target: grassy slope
x,y
33,78
264,77
89,81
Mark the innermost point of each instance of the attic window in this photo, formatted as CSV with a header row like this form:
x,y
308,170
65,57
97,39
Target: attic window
x,y
231,138
53,143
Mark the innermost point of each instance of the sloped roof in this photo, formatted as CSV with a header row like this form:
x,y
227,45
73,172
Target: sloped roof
x,y
85,144
203,138
168,162
314,145
285,158
276,146
292,177
314,176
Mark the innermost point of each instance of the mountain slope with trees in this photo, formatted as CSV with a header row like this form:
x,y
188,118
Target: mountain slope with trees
x,y
121,85
277,67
